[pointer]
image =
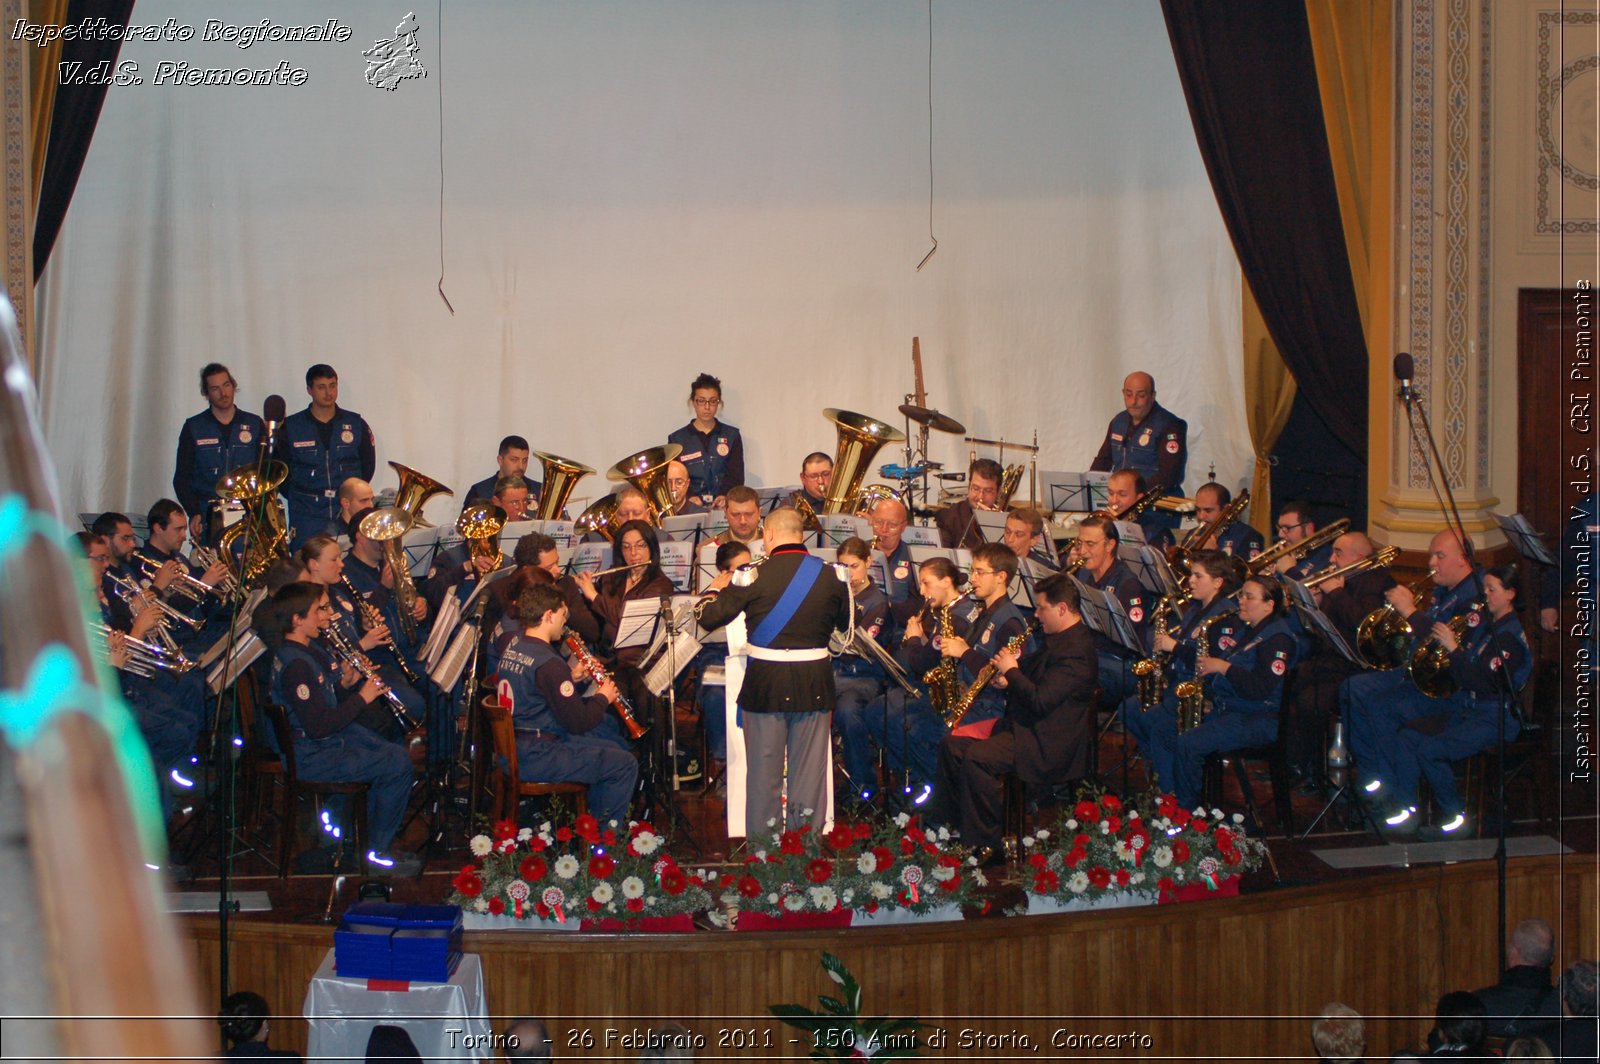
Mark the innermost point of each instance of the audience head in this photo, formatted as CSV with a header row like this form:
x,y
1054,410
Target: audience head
x,y
1528,1048
1532,943
244,1017
1580,989
527,1039
670,1041
1339,1034
1459,1019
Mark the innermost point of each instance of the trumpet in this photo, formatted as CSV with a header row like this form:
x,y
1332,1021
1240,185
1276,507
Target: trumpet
x,y
352,655
623,707
143,658
205,558
188,585
1283,548
129,591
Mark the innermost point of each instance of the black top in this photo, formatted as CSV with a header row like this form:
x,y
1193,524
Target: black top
x,y
1049,699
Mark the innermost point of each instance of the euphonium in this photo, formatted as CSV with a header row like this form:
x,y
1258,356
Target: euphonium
x,y
561,475
1201,535
264,525
1010,479
860,438
388,526
1383,639
645,470
414,492
1269,557
943,680
1192,693
964,700
1429,667
480,524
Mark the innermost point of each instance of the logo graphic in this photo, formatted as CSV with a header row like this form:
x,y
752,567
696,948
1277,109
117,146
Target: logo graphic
x,y
392,61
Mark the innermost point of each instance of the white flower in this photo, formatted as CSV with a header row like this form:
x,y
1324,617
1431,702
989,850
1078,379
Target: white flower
x,y
930,836
1105,827
1044,833
1137,877
649,902
1199,810
761,855
646,843
794,902
979,878
718,918
603,892
943,873
566,866
481,845
849,896
880,891
1077,882
772,899
1238,818
633,887
1216,814
524,834
944,834
1124,851
1028,840
866,864
1133,814
1072,824
901,820
824,898
544,828
1162,856
1177,873
481,905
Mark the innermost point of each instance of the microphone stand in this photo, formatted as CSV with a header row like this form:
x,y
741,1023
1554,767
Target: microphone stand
x,y
1415,409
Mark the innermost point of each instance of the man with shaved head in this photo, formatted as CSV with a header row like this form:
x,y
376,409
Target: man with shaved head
x,y
1145,436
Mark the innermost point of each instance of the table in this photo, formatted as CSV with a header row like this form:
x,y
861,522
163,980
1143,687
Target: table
x,y
447,1021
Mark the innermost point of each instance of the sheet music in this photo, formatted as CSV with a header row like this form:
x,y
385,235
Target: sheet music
x,y
1151,567
919,536
1130,533
420,545
454,660
637,626
1304,604
1071,492
245,652
561,531
772,498
1103,612
836,528
677,561
585,558
694,527
1525,538
444,626
991,524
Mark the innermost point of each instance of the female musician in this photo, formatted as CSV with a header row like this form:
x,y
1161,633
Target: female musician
x,y
640,550
323,701
1244,683
712,451
859,680
1214,577
1489,663
325,566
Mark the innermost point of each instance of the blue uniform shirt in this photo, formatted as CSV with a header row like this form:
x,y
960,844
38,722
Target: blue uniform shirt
x,y
1239,540
1158,447
319,464
207,449
715,459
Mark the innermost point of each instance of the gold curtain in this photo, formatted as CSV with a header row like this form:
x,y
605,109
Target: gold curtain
x,y
1268,397
43,63
1353,42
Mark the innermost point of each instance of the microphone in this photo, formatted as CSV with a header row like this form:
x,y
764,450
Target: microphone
x,y
273,412
1404,370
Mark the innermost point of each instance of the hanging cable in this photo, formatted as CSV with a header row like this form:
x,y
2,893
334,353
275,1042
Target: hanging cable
x,y
440,64
931,237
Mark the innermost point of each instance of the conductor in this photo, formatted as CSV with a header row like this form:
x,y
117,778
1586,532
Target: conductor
x,y
792,603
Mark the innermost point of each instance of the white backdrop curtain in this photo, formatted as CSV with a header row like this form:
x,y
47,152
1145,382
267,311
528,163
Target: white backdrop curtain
x,y
636,191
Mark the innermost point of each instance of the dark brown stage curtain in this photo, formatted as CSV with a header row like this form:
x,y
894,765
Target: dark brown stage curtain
x,y
73,120
1251,82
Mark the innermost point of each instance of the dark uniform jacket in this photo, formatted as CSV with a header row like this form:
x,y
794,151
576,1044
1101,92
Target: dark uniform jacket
x,y
1048,707
321,456
207,449
786,686
715,460
1157,447
1120,582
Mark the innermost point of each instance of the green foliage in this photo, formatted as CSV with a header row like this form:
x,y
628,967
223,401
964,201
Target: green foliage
x,y
838,1032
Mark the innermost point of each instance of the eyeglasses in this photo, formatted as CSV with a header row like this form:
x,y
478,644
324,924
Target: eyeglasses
x,y
982,572
713,403
1091,542
1283,528
816,476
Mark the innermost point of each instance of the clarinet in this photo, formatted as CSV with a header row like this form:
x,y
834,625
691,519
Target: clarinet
x,y
624,709
370,619
363,664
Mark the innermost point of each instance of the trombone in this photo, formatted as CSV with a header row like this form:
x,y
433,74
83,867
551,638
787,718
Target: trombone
x,y
1381,560
1300,548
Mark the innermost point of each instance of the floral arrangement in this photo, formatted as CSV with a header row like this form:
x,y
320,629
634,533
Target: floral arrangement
x,y
858,866
840,1032
577,871
1103,846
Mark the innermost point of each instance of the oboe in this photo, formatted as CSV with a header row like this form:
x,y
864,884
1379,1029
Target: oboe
x,y
624,709
363,664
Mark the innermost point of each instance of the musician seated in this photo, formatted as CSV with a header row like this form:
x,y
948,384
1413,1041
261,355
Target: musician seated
x,y
743,510
364,630
1045,733
168,707
1231,537
459,568
1488,662
958,525
1024,534
561,735
373,578
858,679
1126,487
1241,682
511,461
678,487
355,495
816,473
909,732
1345,601
1209,617
324,702
713,450
178,582
541,550
713,698
1295,525
889,520
640,550
1102,570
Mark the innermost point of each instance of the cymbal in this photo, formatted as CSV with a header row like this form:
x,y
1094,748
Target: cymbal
x,y
932,418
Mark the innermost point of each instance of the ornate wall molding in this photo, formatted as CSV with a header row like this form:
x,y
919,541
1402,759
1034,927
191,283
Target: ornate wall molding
x,y
1563,117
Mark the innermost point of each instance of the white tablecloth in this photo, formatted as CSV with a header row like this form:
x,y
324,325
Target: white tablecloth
x,y
447,1021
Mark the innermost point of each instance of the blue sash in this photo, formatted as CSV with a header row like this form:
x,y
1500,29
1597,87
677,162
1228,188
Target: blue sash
x,y
800,583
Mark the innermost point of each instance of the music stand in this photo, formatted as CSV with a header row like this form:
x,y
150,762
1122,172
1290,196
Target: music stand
x,y
1528,542
693,527
677,561
920,536
772,498
834,529
991,524
1151,567
1129,534
585,558
1105,615
420,545
563,532
1073,493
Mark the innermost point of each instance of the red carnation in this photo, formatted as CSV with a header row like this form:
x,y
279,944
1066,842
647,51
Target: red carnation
x,y
541,908
749,886
1099,877
1166,885
532,869
863,830
1122,877
1180,851
1200,824
635,905
1037,860
1086,811
948,861
467,882
841,837
883,857
563,834
1111,803
1167,806
1180,817
819,870
594,906
673,881
789,842
537,845
1075,856
949,885
908,846
496,906
1079,841
505,829
1045,882
1114,824
930,849
601,866
1232,857
587,827
608,837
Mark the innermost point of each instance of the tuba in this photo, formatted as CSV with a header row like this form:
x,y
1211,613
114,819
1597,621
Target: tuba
x,y
561,475
388,526
1383,639
480,524
860,438
645,470
414,492
264,526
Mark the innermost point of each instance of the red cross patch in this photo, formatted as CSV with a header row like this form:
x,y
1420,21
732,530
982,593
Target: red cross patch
x,y
1279,666
1172,446
1136,614
1473,619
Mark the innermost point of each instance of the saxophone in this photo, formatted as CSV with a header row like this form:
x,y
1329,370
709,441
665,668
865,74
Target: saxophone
x,y
1192,693
964,700
943,680
1152,671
